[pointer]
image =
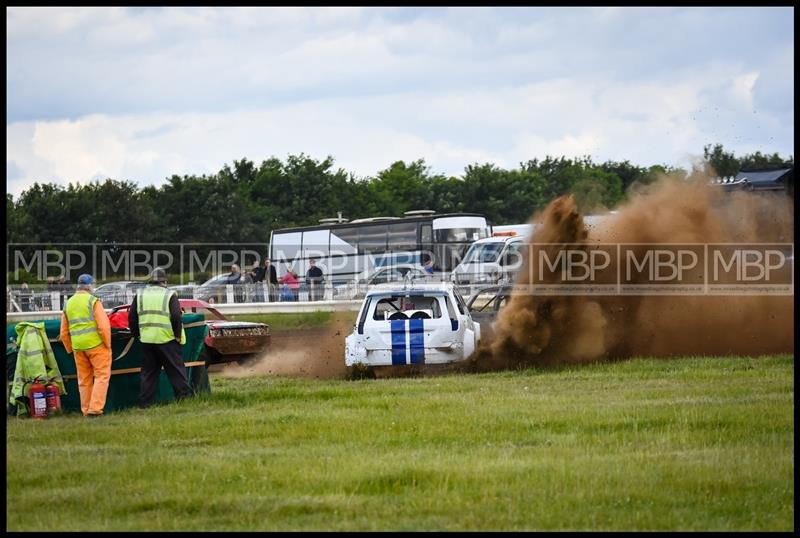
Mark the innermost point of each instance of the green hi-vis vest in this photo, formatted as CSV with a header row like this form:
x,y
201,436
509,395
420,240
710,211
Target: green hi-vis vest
x,y
155,327
82,326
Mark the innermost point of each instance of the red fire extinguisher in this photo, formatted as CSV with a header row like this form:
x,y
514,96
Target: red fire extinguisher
x,y
53,399
38,398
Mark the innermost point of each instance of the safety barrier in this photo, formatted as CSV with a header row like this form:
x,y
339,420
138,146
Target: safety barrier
x,y
256,298
226,309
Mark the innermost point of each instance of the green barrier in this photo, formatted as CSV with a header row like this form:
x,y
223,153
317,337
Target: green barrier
x,y
123,389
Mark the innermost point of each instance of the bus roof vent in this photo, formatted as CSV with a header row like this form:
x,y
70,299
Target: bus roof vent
x,y
373,219
332,220
419,213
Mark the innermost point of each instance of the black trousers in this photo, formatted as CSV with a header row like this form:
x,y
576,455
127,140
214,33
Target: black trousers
x,y
168,355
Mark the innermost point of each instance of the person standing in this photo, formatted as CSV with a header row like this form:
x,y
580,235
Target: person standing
x,y
257,275
291,285
314,280
64,288
155,319
246,283
25,297
258,272
235,279
86,332
271,278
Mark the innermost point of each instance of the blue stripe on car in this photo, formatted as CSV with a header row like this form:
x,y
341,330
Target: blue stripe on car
x,y
398,341
416,341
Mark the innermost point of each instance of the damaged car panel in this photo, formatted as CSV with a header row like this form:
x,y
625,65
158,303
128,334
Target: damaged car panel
x,y
226,341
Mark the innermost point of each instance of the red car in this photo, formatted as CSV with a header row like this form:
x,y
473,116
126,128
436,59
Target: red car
x,y
227,340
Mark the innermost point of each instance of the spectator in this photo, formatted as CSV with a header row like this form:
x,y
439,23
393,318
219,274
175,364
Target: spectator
x,y
315,280
235,279
428,267
290,284
247,285
257,274
271,277
65,289
25,298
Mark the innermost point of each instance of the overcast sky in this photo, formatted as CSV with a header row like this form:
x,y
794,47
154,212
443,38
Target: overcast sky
x,y
141,94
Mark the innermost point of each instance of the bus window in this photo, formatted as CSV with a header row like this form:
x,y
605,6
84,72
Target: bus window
x,y
458,235
402,236
426,235
460,229
372,238
315,243
344,240
286,246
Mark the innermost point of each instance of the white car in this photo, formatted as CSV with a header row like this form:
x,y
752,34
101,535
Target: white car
x,y
414,325
488,261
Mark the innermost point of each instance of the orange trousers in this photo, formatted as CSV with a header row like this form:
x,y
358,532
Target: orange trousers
x,y
94,373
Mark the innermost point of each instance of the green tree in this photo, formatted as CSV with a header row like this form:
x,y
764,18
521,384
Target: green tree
x,y
718,162
401,188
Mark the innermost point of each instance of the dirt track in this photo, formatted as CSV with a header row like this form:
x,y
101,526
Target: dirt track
x,y
315,353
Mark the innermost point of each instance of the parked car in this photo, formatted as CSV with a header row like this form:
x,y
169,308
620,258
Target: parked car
x,y
382,275
117,293
227,340
414,325
184,291
214,289
485,303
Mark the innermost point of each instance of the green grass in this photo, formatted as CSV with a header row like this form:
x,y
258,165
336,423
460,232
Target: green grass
x,y
303,320
683,444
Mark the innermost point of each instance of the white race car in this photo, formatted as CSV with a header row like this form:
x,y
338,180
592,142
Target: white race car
x,y
414,325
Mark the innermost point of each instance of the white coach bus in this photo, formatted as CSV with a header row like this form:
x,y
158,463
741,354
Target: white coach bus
x,y
345,249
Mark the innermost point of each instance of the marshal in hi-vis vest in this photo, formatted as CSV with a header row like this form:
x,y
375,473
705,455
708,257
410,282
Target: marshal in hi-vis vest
x,y
82,325
152,305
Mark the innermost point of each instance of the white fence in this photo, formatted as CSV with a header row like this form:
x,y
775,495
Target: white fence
x,y
259,298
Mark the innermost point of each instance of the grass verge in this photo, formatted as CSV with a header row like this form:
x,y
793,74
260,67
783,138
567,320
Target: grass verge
x,y
680,444
299,321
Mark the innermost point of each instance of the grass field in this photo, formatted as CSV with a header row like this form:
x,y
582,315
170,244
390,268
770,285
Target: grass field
x,y
686,444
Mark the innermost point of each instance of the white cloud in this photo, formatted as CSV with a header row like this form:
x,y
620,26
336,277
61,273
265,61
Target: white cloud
x,y
141,94
646,123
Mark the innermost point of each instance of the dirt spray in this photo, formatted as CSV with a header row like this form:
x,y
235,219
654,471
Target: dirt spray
x,y
546,330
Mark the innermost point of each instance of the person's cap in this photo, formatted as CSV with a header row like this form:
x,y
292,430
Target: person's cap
x,y
158,275
85,279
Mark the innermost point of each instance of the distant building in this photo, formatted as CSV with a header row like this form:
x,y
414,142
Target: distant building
x,y
777,179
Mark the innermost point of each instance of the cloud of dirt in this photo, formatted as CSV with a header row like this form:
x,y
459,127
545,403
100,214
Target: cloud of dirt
x,y
546,330
314,354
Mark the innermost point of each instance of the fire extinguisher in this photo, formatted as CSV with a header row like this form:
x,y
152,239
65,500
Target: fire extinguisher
x,y
53,395
38,398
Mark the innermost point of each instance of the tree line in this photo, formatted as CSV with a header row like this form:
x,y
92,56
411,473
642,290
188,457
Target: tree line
x,y
244,202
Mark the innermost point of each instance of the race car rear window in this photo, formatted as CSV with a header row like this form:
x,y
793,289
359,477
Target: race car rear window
x,y
406,307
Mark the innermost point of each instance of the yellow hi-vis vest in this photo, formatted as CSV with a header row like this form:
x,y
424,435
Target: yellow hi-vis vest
x,y
82,326
152,305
